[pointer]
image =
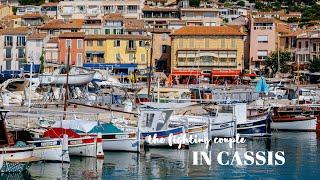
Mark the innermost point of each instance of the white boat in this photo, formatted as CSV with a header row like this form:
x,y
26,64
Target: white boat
x,y
294,123
77,76
47,149
155,131
15,156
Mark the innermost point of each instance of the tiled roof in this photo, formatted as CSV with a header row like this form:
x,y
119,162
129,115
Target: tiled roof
x,y
283,28
263,20
72,35
95,37
208,31
128,37
113,16
293,33
155,8
60,24
133,24
53,40
37,36
15,31
50,4
31,16
10,17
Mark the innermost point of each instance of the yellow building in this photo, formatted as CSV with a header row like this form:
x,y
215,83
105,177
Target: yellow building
x,y
209,50
5,11
118,49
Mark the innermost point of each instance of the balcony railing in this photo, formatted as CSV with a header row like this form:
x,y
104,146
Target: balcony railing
x,y
226,64
131,48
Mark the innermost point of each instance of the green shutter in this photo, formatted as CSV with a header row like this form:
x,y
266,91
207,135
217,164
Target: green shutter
x,y
107,31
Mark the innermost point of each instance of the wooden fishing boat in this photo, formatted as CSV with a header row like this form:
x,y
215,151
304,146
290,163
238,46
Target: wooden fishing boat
x,y
14,156
297,118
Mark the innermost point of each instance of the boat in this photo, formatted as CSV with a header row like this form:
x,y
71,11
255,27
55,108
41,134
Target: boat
x,y
293,121
14,156
77,76
114,138
155,131
47,149
86,146
232,119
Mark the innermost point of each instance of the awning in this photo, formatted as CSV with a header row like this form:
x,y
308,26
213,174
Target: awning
x,y
225,73
95,52
250,75
185,72
105,65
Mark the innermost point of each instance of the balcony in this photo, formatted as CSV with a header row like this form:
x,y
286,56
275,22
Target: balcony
x,y
131,48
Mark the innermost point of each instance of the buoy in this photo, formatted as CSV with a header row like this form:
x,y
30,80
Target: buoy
x,y
100,153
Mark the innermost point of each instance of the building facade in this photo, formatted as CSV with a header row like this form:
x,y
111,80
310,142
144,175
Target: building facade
x,y
74,40
211,50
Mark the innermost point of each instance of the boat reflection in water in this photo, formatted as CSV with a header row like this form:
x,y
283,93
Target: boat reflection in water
x,y
49,170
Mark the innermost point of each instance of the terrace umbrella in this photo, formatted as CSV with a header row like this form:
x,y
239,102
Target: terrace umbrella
x,y
262,86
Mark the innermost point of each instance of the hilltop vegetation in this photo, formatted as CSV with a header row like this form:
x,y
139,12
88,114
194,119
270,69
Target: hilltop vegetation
x,y
35,2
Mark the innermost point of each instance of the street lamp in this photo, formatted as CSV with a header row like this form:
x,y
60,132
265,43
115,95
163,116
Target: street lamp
x,y
148,46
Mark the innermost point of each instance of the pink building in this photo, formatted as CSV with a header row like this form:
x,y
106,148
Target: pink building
x,y
263,39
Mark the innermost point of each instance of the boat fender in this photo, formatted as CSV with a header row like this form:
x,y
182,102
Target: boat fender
x,y
100,153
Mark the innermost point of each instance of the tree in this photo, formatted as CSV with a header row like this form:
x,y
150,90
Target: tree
x,y
41,63
284,58
195,3
241,3
314,65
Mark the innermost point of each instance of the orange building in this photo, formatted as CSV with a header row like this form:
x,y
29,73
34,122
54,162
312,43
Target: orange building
x,y
76,42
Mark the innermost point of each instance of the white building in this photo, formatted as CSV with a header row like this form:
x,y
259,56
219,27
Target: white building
x,y
13,48
34,46
96,9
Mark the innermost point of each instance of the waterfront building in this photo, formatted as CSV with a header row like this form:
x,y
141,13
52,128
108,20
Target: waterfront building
x,y
13,45
32,20
263,38
27,9
74,40
215,51
5,10
200,16
159,17
118,49
11,21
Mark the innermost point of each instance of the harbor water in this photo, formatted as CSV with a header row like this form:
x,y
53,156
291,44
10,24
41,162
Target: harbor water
x,y
301,149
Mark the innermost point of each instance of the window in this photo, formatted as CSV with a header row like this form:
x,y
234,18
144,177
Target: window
x,y
233,43
8,41
100,43
314,48
206,43
306,44
262,54
68,43
131,44
180,43
89,43
107,31
8,65
263,39
164,48
79,43
38,43
79,59
191,43
21,40
299,44
223,43
116,43
21,53
8,53
117,31
131,57
143,58
118,57
141,43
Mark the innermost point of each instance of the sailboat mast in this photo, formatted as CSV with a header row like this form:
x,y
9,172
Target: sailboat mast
x,y
66,85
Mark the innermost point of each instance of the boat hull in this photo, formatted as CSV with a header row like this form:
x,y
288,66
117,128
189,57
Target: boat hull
x,y
121,142
224,129
61,79
255,128
85,146
11,154
50,150
164,137
307,124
